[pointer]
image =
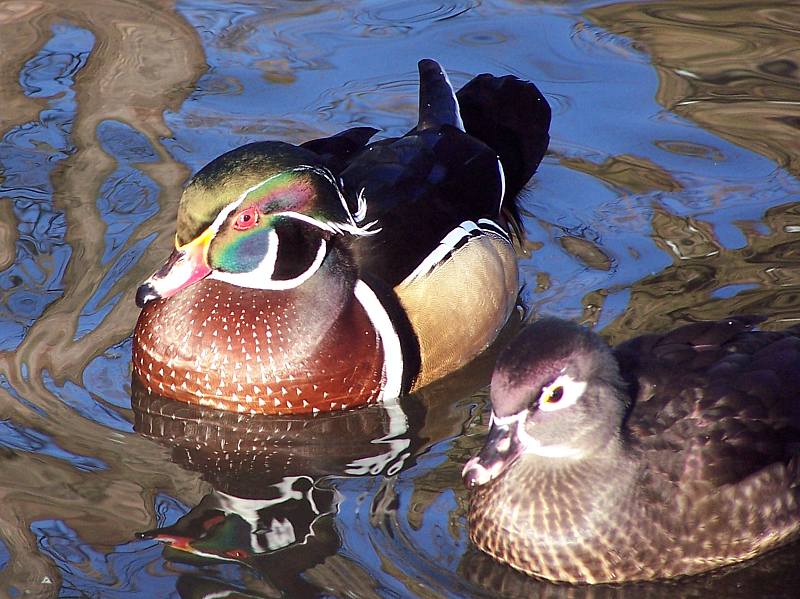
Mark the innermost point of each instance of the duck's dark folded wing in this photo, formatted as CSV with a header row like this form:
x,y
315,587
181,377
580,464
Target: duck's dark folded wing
x,y
421,188
715,402
439,185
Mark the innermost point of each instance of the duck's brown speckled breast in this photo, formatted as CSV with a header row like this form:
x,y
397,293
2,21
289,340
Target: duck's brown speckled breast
x,y
252,350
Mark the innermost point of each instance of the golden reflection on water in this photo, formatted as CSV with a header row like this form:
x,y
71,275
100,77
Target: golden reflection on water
x,y
734,69
8,235
767,266
731,67
145,60
633,174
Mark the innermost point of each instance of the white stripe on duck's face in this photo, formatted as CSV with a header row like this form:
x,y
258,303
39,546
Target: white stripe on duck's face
x,y
563,393
280,253
309,192
270,272
513,436
254,245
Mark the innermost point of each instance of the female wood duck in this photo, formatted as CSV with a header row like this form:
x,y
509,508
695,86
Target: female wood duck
x,y
337,274
670,455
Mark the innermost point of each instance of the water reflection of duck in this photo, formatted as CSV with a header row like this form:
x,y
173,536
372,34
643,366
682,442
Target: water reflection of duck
x,y
272,506
237,453
293,527
581,480
326,276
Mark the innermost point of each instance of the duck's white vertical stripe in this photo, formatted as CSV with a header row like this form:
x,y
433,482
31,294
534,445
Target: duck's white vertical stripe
x,y
393,380
502,184
440,252
390,342
390,461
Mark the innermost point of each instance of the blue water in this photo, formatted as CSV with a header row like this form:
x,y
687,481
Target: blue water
x,y
669,194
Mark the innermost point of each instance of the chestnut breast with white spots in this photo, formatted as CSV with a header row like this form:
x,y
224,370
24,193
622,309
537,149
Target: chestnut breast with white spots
x,y
250,350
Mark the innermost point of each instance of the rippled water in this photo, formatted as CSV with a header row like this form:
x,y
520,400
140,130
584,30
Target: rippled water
x,y
669,194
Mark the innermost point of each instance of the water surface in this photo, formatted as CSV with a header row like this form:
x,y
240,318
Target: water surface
x,y
669,195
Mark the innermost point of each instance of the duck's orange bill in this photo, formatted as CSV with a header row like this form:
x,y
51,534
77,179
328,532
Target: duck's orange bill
x,y
186,265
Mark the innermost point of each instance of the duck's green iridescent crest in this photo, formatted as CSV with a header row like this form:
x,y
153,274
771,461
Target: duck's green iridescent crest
x,y
227,177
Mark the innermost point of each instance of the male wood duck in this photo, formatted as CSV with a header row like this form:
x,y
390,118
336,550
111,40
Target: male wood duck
x,y
670,455
341,273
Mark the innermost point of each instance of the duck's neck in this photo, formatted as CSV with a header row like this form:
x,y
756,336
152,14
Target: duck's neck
x,y
576,497
328,289
555,510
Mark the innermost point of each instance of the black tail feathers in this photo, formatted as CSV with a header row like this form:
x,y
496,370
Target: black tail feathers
x,y
512,117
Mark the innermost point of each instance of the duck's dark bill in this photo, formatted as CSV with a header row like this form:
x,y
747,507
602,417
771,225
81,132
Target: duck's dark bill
x,y
500,449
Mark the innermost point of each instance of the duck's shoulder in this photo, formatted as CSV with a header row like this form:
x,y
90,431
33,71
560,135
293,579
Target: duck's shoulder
x,y
339,150
436,169
715,402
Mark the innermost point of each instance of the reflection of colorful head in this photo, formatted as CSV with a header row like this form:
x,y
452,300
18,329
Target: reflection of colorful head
x,y
227,528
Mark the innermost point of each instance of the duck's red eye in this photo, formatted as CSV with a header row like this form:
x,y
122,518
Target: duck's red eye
x,y
246,219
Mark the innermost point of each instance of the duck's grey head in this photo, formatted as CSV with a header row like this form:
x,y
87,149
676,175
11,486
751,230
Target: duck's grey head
x,y
556,395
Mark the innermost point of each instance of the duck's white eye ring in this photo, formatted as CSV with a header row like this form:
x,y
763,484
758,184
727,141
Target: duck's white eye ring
x,y
560,394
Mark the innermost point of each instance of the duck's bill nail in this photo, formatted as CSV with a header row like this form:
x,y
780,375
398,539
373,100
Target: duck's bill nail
x,y
184,267
499,451
475,474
